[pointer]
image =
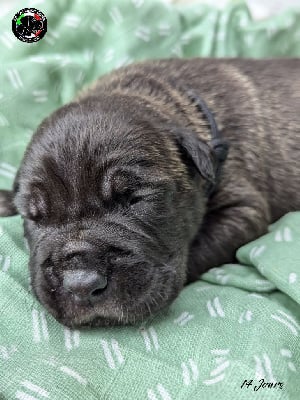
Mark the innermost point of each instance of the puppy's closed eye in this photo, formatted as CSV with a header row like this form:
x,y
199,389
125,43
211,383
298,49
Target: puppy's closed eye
x,y
131,197
127,198
135,199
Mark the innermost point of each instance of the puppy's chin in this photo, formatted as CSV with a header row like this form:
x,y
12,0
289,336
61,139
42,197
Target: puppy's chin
x,y
112,315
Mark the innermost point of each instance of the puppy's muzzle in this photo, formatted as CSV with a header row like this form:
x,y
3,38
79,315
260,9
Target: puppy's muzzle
x,y
84,275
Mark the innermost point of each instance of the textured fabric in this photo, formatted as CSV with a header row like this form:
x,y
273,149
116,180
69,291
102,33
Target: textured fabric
x,y
239,322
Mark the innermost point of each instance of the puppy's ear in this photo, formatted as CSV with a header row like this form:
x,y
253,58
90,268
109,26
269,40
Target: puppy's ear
x,y
198,152
32,203
7,207
206,158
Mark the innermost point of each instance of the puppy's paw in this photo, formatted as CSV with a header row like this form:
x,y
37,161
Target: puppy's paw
x,y
7,207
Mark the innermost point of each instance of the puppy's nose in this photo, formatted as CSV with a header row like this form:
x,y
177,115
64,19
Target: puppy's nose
x,y
84,285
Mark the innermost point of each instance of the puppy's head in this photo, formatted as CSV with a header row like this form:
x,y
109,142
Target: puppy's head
x,y
111,201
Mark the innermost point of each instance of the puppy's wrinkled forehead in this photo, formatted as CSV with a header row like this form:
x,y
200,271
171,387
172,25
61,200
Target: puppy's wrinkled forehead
x,y
92,150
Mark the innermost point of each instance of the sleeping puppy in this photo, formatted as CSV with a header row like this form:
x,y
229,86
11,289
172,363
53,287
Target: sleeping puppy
x,y
156,173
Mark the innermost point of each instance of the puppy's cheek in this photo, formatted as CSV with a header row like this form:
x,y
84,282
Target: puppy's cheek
x,y
7,207
180,260
41,290
36,281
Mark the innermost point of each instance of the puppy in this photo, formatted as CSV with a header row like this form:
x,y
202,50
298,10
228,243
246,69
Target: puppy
x,y
156,173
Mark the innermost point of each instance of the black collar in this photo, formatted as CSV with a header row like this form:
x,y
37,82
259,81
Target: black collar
x,y
219,145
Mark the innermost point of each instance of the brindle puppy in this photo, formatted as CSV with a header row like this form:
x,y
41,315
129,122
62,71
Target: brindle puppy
x,y
123,194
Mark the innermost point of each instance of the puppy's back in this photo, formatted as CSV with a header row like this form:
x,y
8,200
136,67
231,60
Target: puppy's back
x,y
257,106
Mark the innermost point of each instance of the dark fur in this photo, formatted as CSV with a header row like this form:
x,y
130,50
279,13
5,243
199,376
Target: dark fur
x,y
151,228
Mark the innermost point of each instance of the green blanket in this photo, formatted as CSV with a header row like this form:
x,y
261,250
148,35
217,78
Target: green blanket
x,y
239,324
